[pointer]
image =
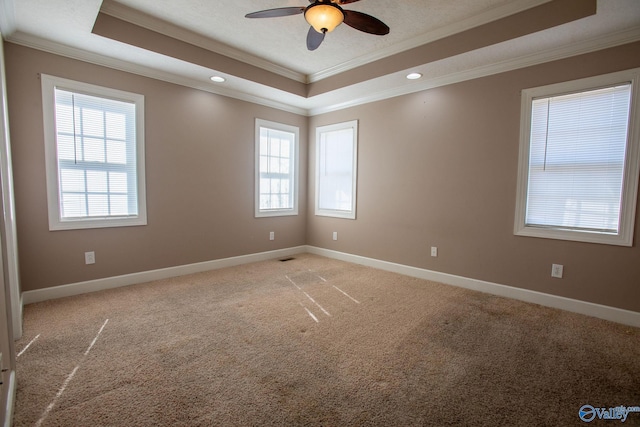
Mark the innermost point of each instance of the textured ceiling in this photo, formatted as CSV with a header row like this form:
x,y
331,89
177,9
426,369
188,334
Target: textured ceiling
x,y
282,40
276,46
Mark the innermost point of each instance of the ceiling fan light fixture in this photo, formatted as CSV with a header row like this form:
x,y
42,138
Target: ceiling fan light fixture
x,y
324,17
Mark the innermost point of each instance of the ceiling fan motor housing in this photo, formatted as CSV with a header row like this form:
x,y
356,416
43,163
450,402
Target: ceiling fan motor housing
x,y
324,16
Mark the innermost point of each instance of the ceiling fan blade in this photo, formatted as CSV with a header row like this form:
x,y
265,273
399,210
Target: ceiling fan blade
x,y
274,13
314,39
363,22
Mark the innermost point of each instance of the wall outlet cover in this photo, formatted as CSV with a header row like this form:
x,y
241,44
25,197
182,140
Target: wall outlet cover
x,y
90,257
557,270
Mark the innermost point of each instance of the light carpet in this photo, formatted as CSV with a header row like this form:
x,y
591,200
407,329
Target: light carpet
x,y
316,342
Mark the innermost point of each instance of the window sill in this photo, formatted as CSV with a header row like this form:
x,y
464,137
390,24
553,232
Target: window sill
x,y
576,236
268,214
79,224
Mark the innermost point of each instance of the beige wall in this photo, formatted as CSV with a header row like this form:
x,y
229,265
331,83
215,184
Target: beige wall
x,y
436,168
199,170
439,168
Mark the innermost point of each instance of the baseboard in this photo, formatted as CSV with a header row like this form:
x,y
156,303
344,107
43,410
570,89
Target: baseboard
x,y
11,399
613,314
38,295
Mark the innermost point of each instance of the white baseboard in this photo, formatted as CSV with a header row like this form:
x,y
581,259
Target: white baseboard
x,y
38,295
613,314
11,399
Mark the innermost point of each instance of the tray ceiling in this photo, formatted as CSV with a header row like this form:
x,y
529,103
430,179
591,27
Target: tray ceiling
x,y
266,60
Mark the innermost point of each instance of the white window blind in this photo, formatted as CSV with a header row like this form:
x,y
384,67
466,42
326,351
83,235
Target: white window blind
x,y
276,153
577,157
579,160
336,170
94,147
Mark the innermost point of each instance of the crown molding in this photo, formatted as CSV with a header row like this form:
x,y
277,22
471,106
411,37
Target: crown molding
x,y
141,70
136,17
487,16
566,51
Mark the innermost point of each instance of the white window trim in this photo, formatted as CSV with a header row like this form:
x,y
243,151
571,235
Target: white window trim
x,y
350,214
49,84
260,123
631,167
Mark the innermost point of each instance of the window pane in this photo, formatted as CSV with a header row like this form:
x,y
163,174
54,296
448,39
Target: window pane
x,y
119,204
72,180
336,153
64,118
117,152
92,122
336,170
274,147
116,125
98,204
274,165
118,182
97,181
339,152
264,202
284,166
66,145
285,148
264,161
73,205
275,186
264,147
265,185
94,150
576,164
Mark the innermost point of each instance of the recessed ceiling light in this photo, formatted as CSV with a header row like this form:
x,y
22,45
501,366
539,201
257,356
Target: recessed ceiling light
x,y
414,76
217,79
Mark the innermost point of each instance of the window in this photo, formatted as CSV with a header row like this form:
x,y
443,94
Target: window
x,y
336,169
578,169
276,169
94,150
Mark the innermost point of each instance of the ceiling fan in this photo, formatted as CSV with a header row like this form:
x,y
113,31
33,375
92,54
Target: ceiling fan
x,y
324,16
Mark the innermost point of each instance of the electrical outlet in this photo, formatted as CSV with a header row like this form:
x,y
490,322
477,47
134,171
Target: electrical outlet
x,y
557,270
272,235
434,251
90,257
335,235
